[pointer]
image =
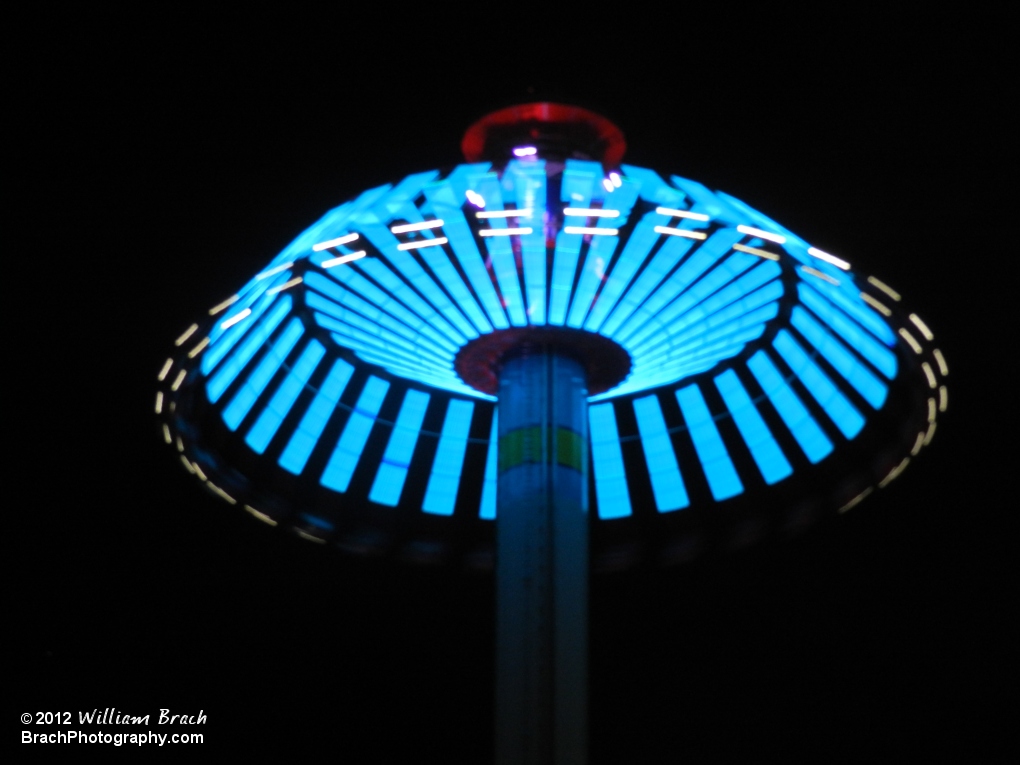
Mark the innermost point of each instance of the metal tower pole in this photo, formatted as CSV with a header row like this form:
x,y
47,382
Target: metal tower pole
x,y
542,561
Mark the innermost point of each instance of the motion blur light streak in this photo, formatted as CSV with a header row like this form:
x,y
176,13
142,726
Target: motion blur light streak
x,y
777,238
417,245
681,213
235,318
880,307
186,334
224,305
346,239
341,260
680,232
755,251
404,228
837,262
525,213
885,288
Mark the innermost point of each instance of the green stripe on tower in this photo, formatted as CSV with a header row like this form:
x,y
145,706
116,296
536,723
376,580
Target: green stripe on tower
x,y
524,446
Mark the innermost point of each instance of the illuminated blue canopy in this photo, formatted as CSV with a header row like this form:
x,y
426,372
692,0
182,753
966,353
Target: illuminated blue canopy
x,y
753,354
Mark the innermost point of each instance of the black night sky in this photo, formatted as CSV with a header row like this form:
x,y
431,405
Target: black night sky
x,y
170,157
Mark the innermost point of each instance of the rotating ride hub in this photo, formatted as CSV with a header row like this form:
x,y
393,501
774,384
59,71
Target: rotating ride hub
x,y
726,380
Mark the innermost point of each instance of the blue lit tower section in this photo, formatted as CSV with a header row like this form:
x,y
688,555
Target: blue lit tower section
x,y
607,362
542,558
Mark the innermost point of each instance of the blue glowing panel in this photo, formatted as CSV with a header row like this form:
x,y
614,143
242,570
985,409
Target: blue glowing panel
x,y
396,286
706,201
487,510
715,460
698,310
464,247
607,460
389,480
568,247
447,197
500,251
383,335
766,452
441,492
340,468
652,188
759,219
237,318
698,292
593,273
400,196
453,189
706,256
853,305
303,440
709,322
598,261
357,284
227,373
667,484
530,194
268,423
438,261
854,372
257,381
575,191
840,410
880,357
677,304
635,252
405,264
815,444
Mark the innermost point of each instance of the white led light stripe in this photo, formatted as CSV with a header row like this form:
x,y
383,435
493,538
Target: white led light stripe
x,y
680,232
819,274
837,262
922,326
166,368
884,287
592,212
505,231
187,333
334,242
755,251
405,227
680,213
285,286
750,231
274,271
880,307
590,230
914,345
343,259
225,304
235,318
523,213
422,243
198,348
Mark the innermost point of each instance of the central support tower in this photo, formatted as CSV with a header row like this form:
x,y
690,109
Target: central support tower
x,y
542,560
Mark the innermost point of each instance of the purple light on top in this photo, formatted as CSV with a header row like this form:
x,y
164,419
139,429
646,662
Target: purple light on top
x,y
525,151
475,198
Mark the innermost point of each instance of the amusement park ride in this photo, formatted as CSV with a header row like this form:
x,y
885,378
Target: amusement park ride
x,y
546,360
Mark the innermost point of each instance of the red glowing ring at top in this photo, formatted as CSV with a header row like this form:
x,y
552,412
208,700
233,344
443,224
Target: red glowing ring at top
x,y
607,136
